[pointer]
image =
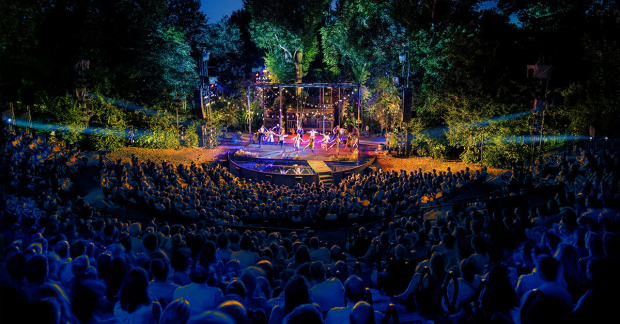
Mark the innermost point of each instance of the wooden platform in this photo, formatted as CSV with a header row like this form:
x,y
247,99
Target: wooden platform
x,y
319,166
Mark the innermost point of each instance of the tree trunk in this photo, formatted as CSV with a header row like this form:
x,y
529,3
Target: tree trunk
x,y
298,66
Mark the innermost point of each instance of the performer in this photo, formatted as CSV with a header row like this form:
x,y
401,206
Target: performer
x,y
297,142
270,136
336,132
300,131
261,134
353,142
313,132
310,144
337,143
325,142
281,137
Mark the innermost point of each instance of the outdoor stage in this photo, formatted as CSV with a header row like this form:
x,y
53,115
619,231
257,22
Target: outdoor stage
x,y
367,147
288,166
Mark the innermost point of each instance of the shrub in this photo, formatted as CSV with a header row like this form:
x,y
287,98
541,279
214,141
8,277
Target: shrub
x,y
191,137
160,139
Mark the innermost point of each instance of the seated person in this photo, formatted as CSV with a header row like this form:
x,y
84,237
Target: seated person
x,y
354,292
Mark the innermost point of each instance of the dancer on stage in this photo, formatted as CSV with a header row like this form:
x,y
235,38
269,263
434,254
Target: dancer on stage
x,y
261,134
313,132
281,137
297,142
353,142
310,144
325,142
270,136
336,132
337,143
300,131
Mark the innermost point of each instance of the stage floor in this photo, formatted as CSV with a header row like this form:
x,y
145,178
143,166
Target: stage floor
x,y
367,146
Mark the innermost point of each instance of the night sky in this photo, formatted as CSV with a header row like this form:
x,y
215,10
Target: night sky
x,y
216,9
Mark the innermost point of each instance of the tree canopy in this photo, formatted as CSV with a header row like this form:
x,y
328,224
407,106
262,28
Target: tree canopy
x,y
465,60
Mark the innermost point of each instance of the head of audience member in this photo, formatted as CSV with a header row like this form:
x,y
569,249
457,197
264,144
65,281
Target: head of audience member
x,y
342,268
548,267
207,254
15,267
246,243
236,290
212,317
87,299
296,293
179,260
48,310
305,314
302,255
317,271
134,290
177,312
235,310
362,313
36,269
354,290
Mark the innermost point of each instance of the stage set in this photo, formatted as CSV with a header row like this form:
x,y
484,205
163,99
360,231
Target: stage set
x,y
305,154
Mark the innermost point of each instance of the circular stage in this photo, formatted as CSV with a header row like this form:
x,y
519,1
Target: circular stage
x,y
287,166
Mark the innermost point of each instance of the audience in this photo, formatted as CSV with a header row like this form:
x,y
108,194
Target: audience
x,y
194,262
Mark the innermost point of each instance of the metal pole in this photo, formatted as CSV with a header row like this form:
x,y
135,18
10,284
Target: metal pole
x,y
206,65
339,107
297,92
249,116
323,103
281,106
359,103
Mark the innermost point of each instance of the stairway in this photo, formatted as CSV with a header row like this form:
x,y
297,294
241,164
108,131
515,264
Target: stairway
x,y
323,171
327,178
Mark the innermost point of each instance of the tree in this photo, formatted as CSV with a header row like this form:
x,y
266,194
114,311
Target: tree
x,y
187,17
361,39
223,41
287,31
384,104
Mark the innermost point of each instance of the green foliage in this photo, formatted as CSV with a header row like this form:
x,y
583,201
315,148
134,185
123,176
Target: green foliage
x,y
107,139
385,102
159,139
361,40
280,26
191,137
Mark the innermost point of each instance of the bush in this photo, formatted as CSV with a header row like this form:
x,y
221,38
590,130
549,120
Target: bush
x,y
159,139
191,137
468,156
106,142
74,135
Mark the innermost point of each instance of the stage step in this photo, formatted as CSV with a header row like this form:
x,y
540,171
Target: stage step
x,y
326,178
323,171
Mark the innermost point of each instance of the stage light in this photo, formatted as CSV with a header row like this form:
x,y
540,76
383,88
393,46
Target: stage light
x,y
9,120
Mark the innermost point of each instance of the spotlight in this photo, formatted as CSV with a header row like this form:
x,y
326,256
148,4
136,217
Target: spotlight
x,y
9,120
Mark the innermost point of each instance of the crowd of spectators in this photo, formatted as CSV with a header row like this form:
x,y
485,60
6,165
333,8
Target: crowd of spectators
x,y
66,262
210,192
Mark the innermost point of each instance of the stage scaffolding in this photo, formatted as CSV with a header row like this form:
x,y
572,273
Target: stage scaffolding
x,y
298,86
